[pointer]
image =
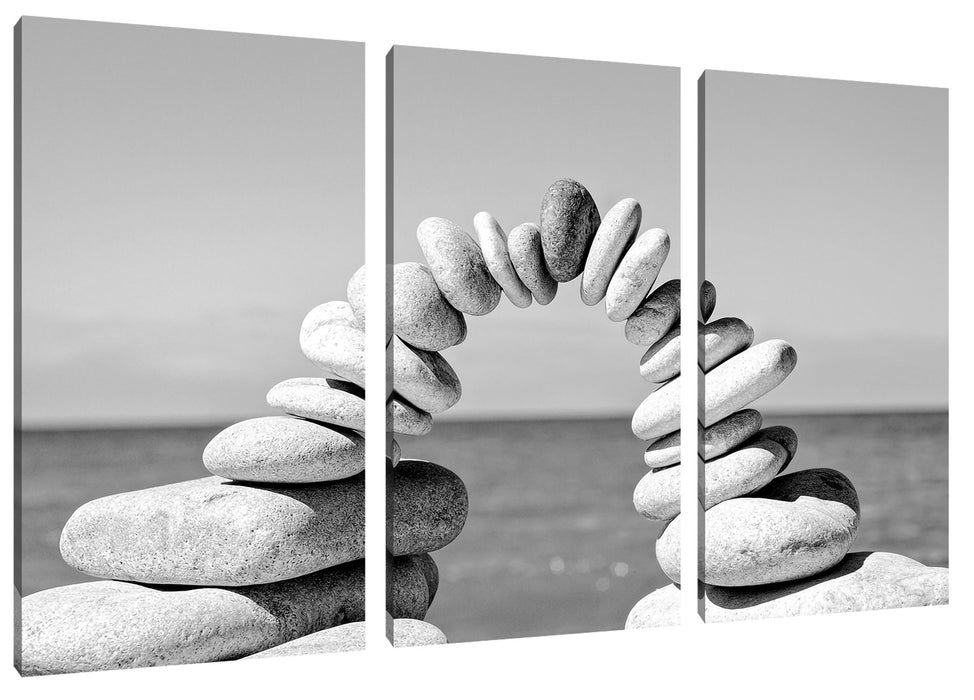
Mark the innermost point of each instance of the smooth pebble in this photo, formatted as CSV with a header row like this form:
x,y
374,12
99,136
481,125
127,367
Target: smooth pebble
x,y
524,247
569,220
636,274
493,243
613,238
458,266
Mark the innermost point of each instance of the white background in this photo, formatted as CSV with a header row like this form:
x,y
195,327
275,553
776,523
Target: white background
x,y
896,653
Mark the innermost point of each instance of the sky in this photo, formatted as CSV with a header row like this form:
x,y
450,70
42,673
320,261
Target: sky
x,y
826,225
188,196
490,132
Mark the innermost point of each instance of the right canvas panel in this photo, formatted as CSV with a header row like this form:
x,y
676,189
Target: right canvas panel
x,y
824,232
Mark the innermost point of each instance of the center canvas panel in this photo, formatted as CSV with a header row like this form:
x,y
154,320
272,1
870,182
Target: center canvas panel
x,y
534,305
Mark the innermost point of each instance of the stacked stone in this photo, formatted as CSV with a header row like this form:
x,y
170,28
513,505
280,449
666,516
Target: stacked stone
x,y
265,556
773,545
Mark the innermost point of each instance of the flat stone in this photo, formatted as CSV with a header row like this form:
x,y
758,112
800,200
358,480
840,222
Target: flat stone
x,y
104,625
336,345
322,399
214,532
416,633
421,315
527,256
862,581
798,525
429,507
355,293
722,339
784,436
657,496
458,266
656,315
747,376
728,388
721,437
331,313
423,378
347,637
708,300
493,243
569,221
407,419
636,274
285,450
615,235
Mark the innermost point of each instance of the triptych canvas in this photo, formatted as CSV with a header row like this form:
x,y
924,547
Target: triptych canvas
x,y
190,235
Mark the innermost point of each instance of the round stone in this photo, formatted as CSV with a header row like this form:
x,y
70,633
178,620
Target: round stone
x,y
656,315
615,235
784,436
747,376
412,591
214,532
797,526
281,449
421,315
659,413
458,266
657,496
407,419
708,300
569,220
355,293
722,338
335,347
105,625
425,379
429,507
527,256
493,243
331,313
331,401
431,572
636,274
861,581
721,437
416,633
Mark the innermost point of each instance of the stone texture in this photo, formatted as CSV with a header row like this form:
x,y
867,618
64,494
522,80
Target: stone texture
x,y
797,526
734,384
722,338
412,590
334,343
708,300
347,637
569,221
656,315
285,450
659,413
416,633
421,315
431,572
213,532
407,419
423,378
493,243
458,266
657,496
861,581
527,256
615,235
395,452
326,400
355,293
636,274
784,436
429,507
719,438
104,625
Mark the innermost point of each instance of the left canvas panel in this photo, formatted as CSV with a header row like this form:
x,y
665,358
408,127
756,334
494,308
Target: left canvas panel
x,y
189,418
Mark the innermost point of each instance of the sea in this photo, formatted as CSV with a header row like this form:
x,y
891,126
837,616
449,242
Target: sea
x,y
552,543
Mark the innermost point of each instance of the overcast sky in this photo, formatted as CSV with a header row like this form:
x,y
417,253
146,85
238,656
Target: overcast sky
x,y
187,197
478,131
827,226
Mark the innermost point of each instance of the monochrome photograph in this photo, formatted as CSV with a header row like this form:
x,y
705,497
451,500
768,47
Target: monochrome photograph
x,y
189,423
535,238
825,366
